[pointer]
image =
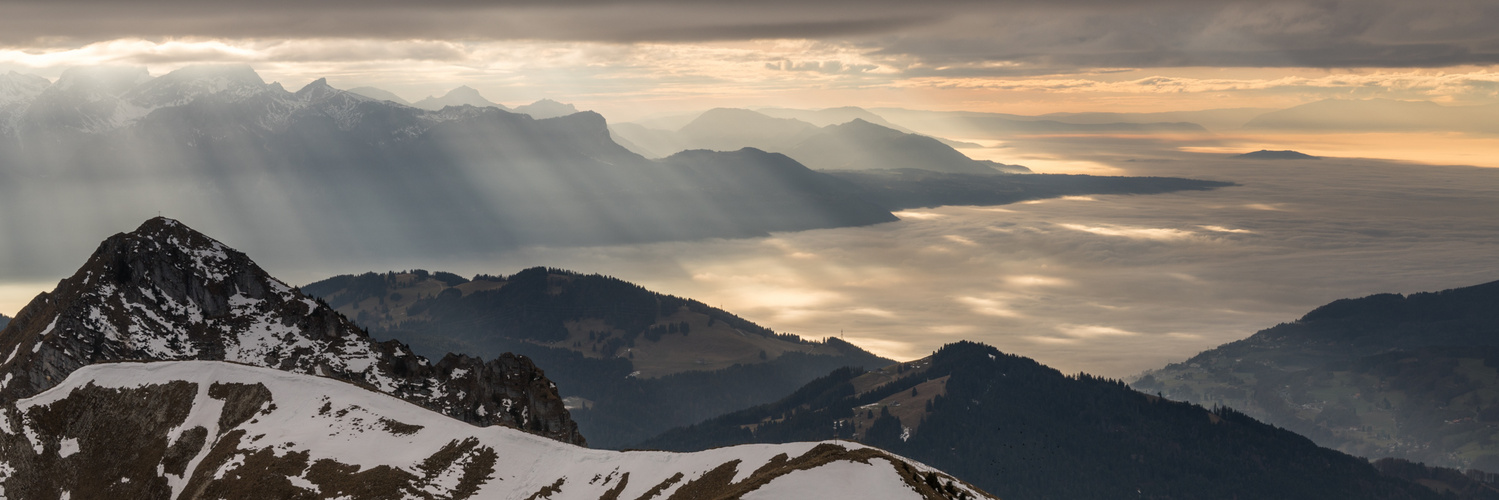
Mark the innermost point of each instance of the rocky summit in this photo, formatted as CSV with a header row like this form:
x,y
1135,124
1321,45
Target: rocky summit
x,y
165,292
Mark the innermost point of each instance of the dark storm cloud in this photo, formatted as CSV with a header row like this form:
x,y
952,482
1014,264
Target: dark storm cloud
x,y
944,36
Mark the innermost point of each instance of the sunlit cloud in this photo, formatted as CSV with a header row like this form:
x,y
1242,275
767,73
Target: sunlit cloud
x,y
1141,233
1040,339
1030,280
959,240
951,329
1221,229
788,249
889,348
872,311
908,214
1185,277
1093,331
989,307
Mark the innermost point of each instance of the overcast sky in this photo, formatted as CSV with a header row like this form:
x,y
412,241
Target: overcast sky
x,y
633,57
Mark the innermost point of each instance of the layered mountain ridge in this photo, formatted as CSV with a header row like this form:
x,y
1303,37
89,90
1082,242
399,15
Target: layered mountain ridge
x,y
166,292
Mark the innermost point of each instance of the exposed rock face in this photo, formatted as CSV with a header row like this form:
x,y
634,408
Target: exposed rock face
x,y
166,292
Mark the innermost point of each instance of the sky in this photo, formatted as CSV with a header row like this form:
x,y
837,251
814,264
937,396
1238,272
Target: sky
x,y
632,59
1110,285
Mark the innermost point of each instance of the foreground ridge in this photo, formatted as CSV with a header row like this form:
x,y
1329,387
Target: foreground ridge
x,y
207,429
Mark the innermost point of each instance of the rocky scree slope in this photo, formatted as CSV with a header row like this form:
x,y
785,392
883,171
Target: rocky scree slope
x,y
167,292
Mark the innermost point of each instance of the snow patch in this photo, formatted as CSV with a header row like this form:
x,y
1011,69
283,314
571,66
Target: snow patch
x,y
876,480
68,447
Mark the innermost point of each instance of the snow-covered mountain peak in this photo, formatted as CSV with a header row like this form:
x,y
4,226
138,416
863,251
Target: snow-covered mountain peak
x,y
167,292
100,81
319,90
85,99
192,82
17,91
16,87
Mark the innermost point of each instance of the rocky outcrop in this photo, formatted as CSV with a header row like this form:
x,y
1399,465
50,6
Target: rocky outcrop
x,y
167,292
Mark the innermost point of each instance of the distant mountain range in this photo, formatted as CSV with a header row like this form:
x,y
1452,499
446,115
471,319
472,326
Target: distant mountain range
x,y
468,96
1386,375
245,154
855,144
631,362
369,177
1019,429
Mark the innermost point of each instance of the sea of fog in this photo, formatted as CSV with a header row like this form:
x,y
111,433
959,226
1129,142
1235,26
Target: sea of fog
x,y
1110,285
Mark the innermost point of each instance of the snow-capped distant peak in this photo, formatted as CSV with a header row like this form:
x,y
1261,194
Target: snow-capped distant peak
x,y
184,85
100,81
317,90
18,87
